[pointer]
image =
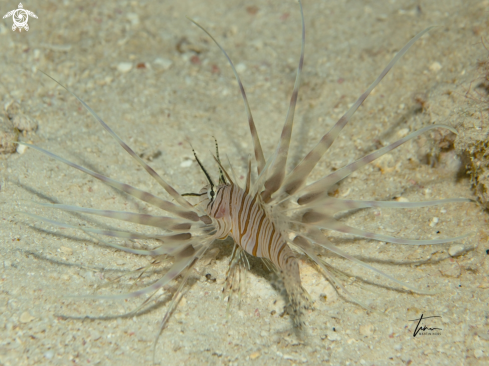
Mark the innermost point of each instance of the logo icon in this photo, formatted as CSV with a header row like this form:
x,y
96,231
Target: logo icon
x,y
20,17
422,329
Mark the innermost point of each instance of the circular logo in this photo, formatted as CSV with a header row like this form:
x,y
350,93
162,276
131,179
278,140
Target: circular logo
x,y
20,18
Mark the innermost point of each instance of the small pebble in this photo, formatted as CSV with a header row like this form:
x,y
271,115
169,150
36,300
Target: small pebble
x,y
456,250
124,67
163,63
94,335
240,67
434,221
402,199
21,149
366,330
26,317
334,337
403,132
183,302
255,355
186,163
133,18
88,275
435,66
66,250
258,44
49,354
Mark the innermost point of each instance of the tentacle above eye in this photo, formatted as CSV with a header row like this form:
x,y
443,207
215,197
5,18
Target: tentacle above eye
x,y
260,159
277,168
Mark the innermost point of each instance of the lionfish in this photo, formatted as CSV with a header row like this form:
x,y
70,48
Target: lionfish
x,y
273,217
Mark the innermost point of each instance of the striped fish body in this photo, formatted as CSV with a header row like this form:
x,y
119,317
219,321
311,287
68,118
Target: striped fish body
x,y
244,217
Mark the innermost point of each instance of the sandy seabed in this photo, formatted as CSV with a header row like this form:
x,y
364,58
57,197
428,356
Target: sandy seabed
x,y
158,81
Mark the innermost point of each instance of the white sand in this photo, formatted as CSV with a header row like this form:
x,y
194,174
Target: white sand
x,y
96,48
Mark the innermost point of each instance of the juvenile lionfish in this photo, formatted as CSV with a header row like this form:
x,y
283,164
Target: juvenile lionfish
x,y
272,217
